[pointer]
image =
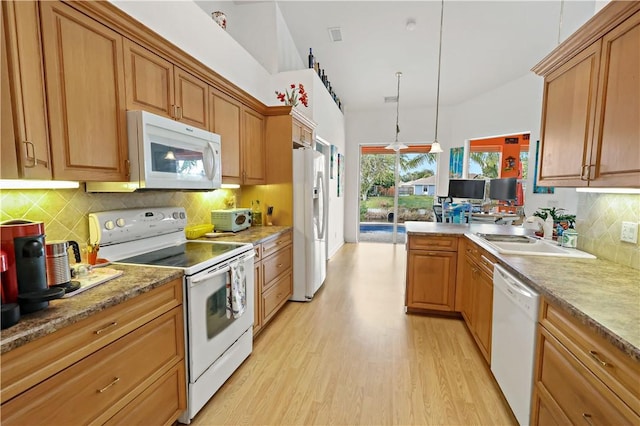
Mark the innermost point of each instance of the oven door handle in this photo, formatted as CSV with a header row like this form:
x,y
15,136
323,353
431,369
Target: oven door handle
x,y
210,275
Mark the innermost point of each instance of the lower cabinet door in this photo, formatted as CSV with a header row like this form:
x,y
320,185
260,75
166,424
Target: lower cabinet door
x,y
431,280
483,312
96,388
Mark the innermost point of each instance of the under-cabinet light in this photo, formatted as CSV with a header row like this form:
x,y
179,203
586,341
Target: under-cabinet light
x,y
229,186
37,184
610,190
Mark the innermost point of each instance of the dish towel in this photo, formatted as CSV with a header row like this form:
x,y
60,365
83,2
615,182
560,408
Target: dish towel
x,y
236,290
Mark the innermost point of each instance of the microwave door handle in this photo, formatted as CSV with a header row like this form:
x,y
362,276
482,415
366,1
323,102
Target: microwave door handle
x,y
209,161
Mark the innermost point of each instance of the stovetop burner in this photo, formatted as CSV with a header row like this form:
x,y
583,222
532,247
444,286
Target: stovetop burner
x,y
184,255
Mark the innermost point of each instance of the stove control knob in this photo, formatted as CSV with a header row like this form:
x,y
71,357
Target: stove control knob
x,y
182,215
120,222
109,225
175,215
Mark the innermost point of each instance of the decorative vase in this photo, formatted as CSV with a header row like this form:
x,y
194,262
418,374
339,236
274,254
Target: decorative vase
x,y
220,18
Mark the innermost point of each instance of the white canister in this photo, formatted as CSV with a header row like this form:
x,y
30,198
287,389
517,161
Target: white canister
x,y
570,238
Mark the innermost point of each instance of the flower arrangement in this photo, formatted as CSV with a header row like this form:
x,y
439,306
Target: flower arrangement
x,y
291,98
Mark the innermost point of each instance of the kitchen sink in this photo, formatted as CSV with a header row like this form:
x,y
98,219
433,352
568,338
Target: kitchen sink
x,y
528,246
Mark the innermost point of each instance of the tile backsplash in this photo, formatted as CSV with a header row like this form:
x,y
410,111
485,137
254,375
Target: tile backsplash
x,y
599,221
65,211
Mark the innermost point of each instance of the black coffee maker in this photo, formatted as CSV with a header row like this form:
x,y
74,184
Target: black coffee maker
x,y
23,241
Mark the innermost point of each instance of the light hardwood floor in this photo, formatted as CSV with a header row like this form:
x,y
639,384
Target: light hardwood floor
x,y
353,357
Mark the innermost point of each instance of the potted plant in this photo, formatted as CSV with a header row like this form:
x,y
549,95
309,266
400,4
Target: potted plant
x,y
561,220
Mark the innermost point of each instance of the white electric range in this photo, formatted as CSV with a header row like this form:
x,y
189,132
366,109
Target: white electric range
x,y
216,342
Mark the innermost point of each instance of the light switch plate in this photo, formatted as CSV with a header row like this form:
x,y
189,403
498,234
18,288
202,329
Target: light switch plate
x,y
629,232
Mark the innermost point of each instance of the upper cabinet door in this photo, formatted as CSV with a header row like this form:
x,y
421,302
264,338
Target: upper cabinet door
x,y
149,81
567,119
192,95
226,119
8,155
253,149
23,55
615,156
85,95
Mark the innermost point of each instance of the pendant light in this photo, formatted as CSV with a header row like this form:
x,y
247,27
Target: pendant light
x,y
397,146
435,146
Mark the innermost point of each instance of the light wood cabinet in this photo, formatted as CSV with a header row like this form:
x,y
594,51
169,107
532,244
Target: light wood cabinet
x,y
431,273
158,86
227,122
302,134
242,132
591,106
110,361
274,266
253,148
25,136
474,293
85,88
580,377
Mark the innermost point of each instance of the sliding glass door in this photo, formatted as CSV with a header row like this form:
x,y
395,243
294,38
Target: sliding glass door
x,y
394,188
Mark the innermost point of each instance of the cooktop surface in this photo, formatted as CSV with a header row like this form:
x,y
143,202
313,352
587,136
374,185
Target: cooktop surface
x,y
184,255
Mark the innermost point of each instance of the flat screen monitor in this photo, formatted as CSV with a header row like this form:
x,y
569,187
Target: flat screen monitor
x,y
503,189
469,189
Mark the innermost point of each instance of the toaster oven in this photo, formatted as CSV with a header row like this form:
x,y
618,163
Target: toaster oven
x,y
233,220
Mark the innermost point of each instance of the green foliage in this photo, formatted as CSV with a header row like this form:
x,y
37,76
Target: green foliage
x,y
557,215
408,202
415,175
376,169
489,163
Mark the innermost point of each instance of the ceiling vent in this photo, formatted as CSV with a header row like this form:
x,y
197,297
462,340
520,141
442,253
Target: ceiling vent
x,y
390,99
335,34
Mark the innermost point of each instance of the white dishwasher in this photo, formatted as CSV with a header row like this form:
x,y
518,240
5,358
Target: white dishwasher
x,y
513,340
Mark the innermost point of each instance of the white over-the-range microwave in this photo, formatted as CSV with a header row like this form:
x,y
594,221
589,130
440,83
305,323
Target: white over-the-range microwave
x,y
167,154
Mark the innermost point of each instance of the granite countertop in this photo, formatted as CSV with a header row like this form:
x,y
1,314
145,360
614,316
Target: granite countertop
x,y
61,313
253,234
601,294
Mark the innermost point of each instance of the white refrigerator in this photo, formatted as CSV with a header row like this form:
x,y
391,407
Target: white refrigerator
x,y
309,223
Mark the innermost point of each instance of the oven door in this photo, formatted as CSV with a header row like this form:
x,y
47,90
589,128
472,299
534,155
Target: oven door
x,y
210,332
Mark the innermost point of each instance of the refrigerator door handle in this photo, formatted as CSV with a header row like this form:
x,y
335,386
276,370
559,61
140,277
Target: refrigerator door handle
x,y
322,226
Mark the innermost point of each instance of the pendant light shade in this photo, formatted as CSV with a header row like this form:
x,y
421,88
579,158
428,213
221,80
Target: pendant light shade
x,y
397,146
435,146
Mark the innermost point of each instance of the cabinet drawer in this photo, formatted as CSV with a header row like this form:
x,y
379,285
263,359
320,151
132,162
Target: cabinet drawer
x,y
160,404
575,390
608,363
97,387
34,362
276,243
433,243
480,256
275,265
276,296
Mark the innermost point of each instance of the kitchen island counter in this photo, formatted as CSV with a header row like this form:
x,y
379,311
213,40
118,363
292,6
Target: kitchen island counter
x,y
601,294
61,313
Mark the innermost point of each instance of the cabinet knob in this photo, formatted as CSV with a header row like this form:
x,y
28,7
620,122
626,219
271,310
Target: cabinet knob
x,y
582,173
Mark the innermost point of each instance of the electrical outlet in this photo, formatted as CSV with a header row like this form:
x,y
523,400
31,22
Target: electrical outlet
x,y
629,232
